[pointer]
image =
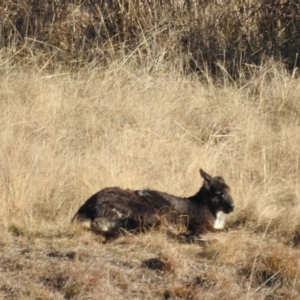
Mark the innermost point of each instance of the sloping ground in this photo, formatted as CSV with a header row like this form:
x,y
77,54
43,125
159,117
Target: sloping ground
x,y
233,265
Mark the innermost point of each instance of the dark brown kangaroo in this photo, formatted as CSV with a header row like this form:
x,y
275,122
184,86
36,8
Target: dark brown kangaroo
x,y
112,210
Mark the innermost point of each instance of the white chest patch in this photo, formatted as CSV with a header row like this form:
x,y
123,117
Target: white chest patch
x,y
220,220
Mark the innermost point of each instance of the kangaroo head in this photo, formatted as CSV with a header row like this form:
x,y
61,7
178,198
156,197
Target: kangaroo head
x,y
217,193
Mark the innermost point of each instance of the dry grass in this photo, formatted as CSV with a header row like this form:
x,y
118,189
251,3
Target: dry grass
x,y
64,136
192,35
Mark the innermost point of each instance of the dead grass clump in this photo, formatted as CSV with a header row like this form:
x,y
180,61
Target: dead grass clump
x,y
180,292
72,283
157,264
283,261
273,89
260,264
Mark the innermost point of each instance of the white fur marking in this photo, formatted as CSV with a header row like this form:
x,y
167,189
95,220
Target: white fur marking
x,y
103,224
142,193
118,213
220,220
85,223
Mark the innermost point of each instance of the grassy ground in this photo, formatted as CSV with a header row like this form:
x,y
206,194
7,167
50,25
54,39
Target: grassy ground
x,y
65,136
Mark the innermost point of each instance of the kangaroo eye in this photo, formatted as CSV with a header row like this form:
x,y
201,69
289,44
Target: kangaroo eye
x,y
220,194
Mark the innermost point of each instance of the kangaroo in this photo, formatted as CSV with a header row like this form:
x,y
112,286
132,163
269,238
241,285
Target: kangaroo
x,y
113,209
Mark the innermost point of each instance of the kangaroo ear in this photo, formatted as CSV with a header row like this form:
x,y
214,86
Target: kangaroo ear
x,y
205,176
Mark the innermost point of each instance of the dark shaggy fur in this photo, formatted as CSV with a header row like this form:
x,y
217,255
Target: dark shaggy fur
x,y
114,209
